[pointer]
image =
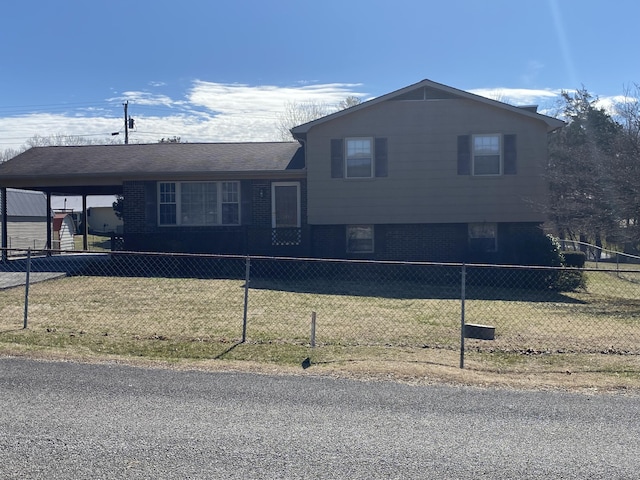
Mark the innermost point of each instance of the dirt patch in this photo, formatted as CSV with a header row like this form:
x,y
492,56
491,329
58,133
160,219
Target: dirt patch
x,y
427,367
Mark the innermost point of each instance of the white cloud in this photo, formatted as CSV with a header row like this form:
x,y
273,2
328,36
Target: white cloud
x,y
548,100
519,96
609,104
239,98
209,112
218,112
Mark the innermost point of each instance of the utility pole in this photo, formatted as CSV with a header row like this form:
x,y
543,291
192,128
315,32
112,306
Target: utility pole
x,y
128,123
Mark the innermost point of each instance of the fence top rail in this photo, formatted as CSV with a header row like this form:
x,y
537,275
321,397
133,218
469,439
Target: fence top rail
x,y
601,249
61,255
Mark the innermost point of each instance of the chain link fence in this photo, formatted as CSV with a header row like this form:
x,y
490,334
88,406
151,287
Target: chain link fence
x,y
100,299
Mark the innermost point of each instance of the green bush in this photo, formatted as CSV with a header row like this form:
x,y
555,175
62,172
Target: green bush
x,y
568,281
538,249
574,259
531,248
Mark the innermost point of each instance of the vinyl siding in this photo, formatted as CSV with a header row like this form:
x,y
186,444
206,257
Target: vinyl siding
x,y
26,232
423,185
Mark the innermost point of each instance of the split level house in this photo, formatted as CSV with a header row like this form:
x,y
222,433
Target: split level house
x,y
425,173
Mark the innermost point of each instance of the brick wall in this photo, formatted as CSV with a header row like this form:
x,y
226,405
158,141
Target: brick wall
x,y
405,242
142,233
446,242
423,242
134,207
261,201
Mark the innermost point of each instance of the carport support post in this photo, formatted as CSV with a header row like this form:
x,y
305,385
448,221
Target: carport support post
x,y
85,230
462,298
247,270
5,221
49,229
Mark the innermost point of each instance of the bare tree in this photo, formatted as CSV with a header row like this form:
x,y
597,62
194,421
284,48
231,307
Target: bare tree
x,y
8,154
296,113
58,139
628,166
174,139
350,101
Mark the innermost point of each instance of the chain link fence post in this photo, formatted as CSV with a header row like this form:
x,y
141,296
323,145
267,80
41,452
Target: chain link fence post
x,y
247,271
26,289
462,299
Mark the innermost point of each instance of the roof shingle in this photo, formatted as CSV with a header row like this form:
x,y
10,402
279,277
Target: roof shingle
x,y
160,158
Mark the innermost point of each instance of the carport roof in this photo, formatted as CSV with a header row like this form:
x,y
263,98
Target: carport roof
x,y
101,169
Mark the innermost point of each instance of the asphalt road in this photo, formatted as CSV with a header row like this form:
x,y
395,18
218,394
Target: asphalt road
x,y
77,421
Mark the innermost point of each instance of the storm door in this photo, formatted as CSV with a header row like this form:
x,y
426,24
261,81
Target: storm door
x,y
285,213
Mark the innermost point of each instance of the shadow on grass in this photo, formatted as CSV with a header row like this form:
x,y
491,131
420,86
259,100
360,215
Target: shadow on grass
x,y
8,330
368,280
410,290
227,351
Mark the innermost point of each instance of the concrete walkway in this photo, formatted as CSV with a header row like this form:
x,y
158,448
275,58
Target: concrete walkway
x,y
15,279
13,272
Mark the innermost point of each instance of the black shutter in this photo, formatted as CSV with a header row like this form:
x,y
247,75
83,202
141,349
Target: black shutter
x,y
381,157
510,155
337,155
464,154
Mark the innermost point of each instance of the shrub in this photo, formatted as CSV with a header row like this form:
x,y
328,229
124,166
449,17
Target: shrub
x,y
574,259
534,249
569,281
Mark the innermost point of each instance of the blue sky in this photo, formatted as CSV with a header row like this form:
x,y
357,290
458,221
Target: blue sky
x,y
208,70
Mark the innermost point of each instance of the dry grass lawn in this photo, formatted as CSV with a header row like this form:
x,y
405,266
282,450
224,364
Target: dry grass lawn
x,y
586,340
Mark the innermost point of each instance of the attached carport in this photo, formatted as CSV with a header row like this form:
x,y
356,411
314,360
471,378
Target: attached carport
x,y
80,171
117,169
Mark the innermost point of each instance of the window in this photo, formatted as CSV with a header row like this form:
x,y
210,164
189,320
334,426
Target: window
x,y
487,155
199,203
359,158
167,204
483,237
230,203
360,238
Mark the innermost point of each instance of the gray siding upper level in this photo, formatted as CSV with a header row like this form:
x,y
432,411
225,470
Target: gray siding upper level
x,y
422,184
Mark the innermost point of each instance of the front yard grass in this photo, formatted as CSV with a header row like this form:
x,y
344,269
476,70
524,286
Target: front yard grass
x,y
587,339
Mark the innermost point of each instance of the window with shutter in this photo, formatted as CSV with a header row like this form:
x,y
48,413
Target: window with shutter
x,y
493,154
487,154
359,157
